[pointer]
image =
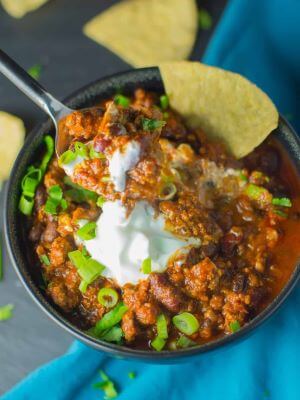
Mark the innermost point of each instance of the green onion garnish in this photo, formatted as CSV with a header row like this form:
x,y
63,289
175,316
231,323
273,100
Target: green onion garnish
x,y
45,259
81,149
108,297
54,200
96,154
67,158
78,193
121,100
152,124
83,286
255,192
184,342
167,191
283,202
35,71
110,319
88,269
186,323
146,266
33,177
158,343
162,326
88,231
6,312
234,326
164,102
205,19
114,335
105,179
107,385
55,192
280,213
131,375
100,201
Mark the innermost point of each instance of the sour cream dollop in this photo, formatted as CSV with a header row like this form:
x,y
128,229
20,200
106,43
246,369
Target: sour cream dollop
x,y
122,243
121,162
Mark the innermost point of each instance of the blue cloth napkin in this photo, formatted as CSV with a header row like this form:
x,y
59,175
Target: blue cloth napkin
x,y
260,39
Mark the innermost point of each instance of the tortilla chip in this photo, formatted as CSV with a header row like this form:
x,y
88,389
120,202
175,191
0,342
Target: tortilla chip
x,y
147,32
225,105
12,133
18,8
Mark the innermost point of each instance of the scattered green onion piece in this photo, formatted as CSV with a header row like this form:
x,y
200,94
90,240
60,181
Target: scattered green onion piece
x,y
45,259
280,213
31,181
108,297
64,204
35,71
243,177
26,204
110,319
51,206
96,154
107,386
162,326
168,191
67,158
81,149
88,269
158,343
255,192
115,334
186,323
100,201
283,202
49,143
121,100
164,102
234,326
83,286
131,375
146,266
205,19
88,231
6,312
152,124
184,342
55,192
78,193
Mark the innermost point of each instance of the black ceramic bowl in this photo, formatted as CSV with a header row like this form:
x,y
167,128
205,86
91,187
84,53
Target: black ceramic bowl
x,y
148,78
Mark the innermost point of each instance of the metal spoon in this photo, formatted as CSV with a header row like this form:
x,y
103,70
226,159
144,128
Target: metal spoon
x,y
32,89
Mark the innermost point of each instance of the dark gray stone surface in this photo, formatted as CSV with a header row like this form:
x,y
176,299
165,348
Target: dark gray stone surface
x,y
51,36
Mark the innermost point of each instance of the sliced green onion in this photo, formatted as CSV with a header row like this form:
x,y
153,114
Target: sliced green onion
x,y
31,181
45,259
26,204
255,192
96,154
64,204
49,143
280,213
67,158
81,149
88,269
105,179
164,102
184,342
54,200
6,312
100,201
107,386
162,326
35,71
152,124
131,375
234,326
158,343
121,100
168,191
205,19
55,192
51,206
88,231
83,286
146,266
78,193
115,335
111,318
283,202
108,297
186,323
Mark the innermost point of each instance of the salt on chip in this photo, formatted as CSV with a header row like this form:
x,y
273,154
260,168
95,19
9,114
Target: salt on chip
x,y
12,133
224,104
18,8
147,32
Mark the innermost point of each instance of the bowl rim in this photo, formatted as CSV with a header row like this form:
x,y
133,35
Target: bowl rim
x,y
110,348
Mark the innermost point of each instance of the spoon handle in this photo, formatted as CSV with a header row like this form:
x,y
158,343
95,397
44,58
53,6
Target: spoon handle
x,y
31,88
